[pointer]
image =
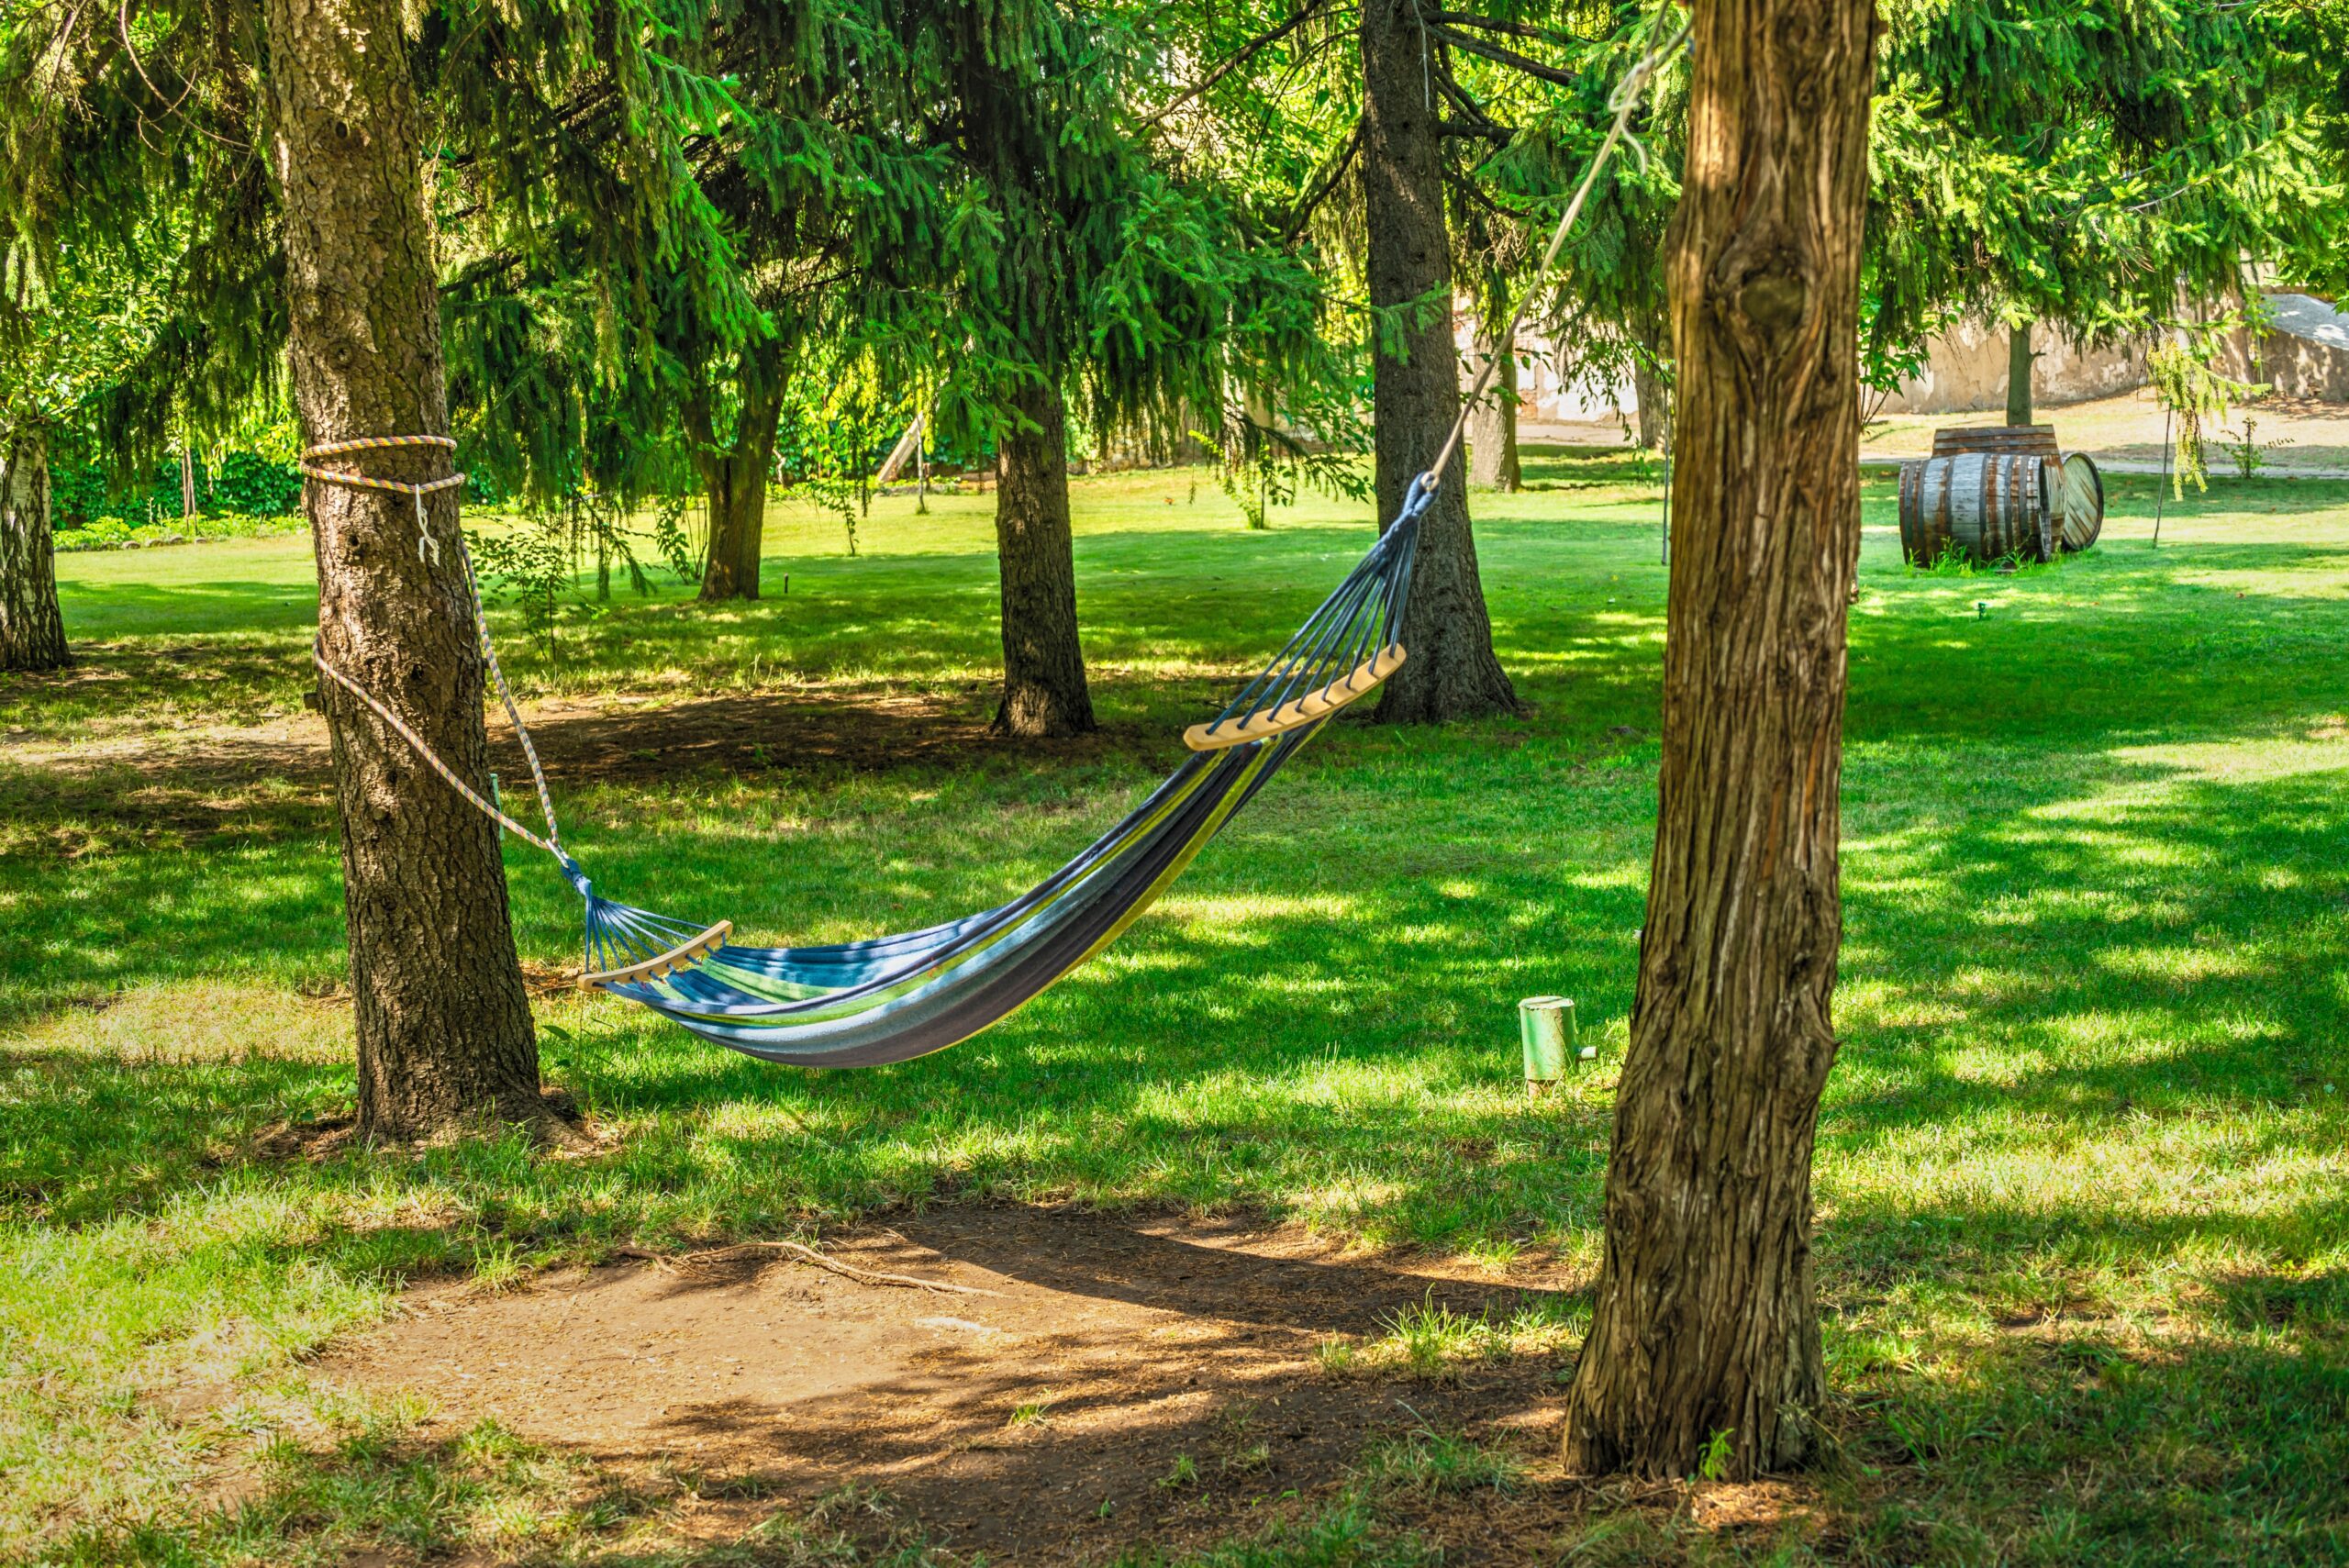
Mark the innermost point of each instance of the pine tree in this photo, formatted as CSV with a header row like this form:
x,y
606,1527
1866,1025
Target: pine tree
x,y
610,343
2083,167
118,251
293,186
1082,262
1456,132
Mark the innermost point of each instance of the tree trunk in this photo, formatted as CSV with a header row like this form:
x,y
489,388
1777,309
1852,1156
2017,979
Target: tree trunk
x,y
1451,673
32,630
2018,362
1492,425
1043,664
734,475
1652,380
1652,418
444,1024
187,482
736,485
1703,1322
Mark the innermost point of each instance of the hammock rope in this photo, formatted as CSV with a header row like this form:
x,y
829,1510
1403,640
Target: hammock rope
x,y
894,997
428,549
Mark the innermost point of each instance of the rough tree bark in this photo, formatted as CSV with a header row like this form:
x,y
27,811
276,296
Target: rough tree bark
x,y
1704,1322
1451,671
1043,664
1492,425
444,1028
32,629
734,474
2020,358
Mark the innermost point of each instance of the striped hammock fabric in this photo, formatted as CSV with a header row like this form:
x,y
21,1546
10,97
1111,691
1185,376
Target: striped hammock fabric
x,y
894,997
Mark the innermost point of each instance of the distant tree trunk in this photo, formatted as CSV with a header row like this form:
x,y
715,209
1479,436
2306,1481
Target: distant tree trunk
x,y
2018,364
1703,1322
1492,426
921,470
443,1022
1652,418
187,482
1043,664
734,474
1451,671
32,630
1650,381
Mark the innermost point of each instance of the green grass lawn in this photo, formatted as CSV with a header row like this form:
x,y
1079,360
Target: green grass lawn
x,y
2083,1167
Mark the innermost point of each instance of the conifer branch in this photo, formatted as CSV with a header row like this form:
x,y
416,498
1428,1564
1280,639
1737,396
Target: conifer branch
x,y
1508,56
1247,51
1495,25
1307,205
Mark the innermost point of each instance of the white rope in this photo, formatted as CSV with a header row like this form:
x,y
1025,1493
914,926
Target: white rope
x,y
1625,102
400,727
427,550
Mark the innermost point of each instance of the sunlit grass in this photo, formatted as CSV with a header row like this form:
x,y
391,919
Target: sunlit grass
x,y
2082,1180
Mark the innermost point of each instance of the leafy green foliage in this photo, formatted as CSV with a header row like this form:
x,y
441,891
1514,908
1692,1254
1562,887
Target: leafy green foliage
x,y
533,563
840,418
66,339
2195,396
1076,251
2085,164
240,484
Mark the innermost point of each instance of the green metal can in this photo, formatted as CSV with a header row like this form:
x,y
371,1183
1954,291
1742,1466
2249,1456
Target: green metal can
x,y
1546,1026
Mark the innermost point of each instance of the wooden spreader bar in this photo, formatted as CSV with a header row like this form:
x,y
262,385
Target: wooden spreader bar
x,y
1298,712
684,956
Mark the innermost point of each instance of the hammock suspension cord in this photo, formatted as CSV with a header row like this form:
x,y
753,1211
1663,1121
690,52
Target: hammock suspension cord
x,y
1625,101
427,550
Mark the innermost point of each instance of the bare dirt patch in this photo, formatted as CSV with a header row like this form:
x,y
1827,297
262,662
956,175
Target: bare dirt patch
x,y
1048,1420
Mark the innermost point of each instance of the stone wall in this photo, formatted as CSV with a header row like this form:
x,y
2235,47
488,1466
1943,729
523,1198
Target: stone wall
x,y
2306,353
1967,371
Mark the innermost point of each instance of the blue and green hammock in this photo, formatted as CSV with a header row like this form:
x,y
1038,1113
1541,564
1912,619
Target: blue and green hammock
x,y
892,999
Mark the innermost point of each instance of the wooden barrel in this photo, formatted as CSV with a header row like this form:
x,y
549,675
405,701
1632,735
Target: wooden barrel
x,y
1980,505
2031,440
2076,499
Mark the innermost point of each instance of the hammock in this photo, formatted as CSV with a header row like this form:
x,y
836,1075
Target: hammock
x,y
892,999
895,997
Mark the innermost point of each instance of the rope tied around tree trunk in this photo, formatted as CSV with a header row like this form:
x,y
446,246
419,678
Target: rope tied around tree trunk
x,y
427,550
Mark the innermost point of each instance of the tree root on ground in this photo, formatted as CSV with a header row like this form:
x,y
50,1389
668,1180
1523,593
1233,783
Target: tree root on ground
x,y
802,1254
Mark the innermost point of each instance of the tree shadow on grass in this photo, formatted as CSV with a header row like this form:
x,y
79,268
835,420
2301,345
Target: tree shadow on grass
x,y
1320,1019
2079,1445
2129,950
226,680
2111,952
1355,945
